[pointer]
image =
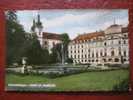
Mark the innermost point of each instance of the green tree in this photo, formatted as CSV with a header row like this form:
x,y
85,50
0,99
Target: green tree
x,y
21,44
66,40
55,56
15,37
33,27
57,51
35,54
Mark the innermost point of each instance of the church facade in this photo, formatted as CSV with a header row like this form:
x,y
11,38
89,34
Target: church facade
x,y
102,47
49,40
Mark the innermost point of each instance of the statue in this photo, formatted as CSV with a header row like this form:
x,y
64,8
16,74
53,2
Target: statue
x,y
23,65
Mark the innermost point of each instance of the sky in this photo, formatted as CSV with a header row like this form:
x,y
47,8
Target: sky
x,y
73,21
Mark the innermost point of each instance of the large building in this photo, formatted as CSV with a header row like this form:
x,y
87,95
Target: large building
x,y
49,40
109,47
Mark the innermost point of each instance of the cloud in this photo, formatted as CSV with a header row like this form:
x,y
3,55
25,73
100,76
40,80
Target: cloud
x,y
122,21
68,19
73,32
74,22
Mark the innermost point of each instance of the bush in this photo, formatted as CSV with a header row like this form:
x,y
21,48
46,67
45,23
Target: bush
x,y
122,86
69,60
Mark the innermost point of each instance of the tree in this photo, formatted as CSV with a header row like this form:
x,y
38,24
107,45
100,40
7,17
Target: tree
x,y
35,54
15,37
33,26
55,56
66,40
57,51
11,16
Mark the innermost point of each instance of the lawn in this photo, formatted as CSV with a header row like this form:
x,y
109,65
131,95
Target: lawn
x,y
88,81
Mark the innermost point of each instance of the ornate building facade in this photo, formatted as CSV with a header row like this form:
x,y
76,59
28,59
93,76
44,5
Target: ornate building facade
x,y
109,47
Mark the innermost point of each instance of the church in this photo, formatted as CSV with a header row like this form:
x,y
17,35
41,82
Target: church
x,y
109,46
47,39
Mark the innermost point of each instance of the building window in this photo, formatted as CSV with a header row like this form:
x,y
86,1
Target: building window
x,y
92,54
82,56
112,53
101,53
105,44
78,56
125,60
119,42
104,60
110,59
124,53
85,56
125,35
96,54
45,42
105,54
116,60
124,41
119,52
88,55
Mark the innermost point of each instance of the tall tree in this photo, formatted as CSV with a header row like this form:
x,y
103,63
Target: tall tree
x,y
65,40
33,27
11,16
15,37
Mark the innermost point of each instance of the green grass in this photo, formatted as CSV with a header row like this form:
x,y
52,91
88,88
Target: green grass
x,y
89,81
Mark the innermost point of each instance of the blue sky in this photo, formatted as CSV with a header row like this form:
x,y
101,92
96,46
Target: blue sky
x,y
73,22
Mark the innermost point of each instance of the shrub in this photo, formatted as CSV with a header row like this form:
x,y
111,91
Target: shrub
x,y
122,86
69,60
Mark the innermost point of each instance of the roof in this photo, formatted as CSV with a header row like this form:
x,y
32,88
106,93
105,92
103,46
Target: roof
x,y
88,36
54,36
114,25
124,29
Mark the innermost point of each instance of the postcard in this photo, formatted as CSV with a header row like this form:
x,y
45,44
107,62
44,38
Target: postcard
x,y
62,50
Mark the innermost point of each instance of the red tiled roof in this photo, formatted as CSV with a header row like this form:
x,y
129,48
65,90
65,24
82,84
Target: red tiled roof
x,y
54,36
88,36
